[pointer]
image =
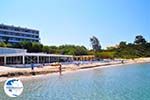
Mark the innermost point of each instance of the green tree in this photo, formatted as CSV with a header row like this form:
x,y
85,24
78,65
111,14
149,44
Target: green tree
x,y
95,43
46,49
6,39
73,50
3,44
139,39
24,45
105,54
122,44
36,47
54,50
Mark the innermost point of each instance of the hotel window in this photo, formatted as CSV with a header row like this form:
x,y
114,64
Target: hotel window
x,y
37,36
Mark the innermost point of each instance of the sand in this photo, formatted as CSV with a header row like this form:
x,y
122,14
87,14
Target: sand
x,y
25,73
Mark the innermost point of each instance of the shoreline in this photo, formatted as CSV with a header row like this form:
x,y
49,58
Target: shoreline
x,y
71,69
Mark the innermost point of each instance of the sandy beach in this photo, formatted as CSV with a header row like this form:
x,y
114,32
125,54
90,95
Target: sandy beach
x,y
25,73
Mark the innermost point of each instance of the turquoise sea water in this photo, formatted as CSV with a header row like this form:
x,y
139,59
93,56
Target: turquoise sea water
x,y
127,82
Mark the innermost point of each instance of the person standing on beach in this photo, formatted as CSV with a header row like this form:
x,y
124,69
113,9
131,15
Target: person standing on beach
x,y
60,69
32,66
122,61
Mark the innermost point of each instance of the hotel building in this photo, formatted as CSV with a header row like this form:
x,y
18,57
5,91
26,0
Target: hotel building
x,y
13,34
12,56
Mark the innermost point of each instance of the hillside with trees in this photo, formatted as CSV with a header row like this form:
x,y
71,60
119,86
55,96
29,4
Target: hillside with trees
x,y
139,48
38,48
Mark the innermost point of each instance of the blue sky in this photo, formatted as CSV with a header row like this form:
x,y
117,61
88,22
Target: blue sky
x,y
75,21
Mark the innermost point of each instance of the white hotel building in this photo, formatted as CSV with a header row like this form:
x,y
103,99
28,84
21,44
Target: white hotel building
x,y
11,56
13,34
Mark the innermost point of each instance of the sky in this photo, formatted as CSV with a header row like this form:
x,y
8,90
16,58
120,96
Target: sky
x,y
75,21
